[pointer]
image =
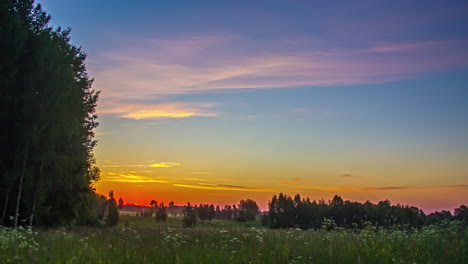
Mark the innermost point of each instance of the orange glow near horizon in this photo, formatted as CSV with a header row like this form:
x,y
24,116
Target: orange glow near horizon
x,y
141,189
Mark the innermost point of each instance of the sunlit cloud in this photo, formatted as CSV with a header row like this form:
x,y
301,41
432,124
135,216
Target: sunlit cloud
x,y
130,178
123,165
154,165
193,179
165,164
196,173
225,187
228,179
233,186
159,111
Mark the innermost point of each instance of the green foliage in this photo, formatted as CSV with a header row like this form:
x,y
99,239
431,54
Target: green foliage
x,y
248,210
48,115
113,215
281,211
264,219
461,214
161,214
190,216
226,213
205,212
328,224
288,212
229,242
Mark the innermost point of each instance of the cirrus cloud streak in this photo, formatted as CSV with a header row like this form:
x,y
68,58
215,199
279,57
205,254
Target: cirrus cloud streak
x,y
218,63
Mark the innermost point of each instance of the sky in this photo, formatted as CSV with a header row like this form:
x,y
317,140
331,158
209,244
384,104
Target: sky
x,y
218,101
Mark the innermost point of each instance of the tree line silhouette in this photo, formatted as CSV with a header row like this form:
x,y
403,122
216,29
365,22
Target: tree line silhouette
x,y
47,111
285,211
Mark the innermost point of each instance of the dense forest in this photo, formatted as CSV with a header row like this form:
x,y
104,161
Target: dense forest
x,y
285,211
47,111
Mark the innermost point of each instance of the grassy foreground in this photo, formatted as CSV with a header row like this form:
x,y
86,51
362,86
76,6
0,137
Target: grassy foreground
x,y
142,240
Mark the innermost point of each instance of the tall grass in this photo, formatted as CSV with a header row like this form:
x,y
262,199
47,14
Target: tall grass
x,y
140,240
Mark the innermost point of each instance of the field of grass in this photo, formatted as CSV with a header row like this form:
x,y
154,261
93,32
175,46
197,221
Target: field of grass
x,y
143,240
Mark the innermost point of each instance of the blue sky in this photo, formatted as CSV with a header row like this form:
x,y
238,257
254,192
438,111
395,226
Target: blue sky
x,y
260,92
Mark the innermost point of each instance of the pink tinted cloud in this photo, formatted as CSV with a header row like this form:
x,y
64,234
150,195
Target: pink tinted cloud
x,y
414,46
204,63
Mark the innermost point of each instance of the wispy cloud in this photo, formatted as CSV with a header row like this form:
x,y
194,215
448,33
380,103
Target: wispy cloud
x,y
228,179
131,178
225,187
193,179
233,186
348,175
154,165
462,186
323,188
368,188
385,188
165,164
410,47
159,111
196,173
225,65
123,165
140,84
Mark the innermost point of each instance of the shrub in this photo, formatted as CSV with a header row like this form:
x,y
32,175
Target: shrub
x,y
113,216
190,216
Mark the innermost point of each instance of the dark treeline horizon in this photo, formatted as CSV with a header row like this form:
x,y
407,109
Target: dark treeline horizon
x,y
172,204
285,211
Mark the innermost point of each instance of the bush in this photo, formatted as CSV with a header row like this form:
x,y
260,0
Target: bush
x,y
113,215
161,214
190,216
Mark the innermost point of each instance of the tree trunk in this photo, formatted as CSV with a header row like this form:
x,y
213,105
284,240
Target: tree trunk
x,y
20,188
2,222
31,218
36,190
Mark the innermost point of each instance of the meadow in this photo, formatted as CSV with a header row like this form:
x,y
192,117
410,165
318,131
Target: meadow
x,y
143,240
